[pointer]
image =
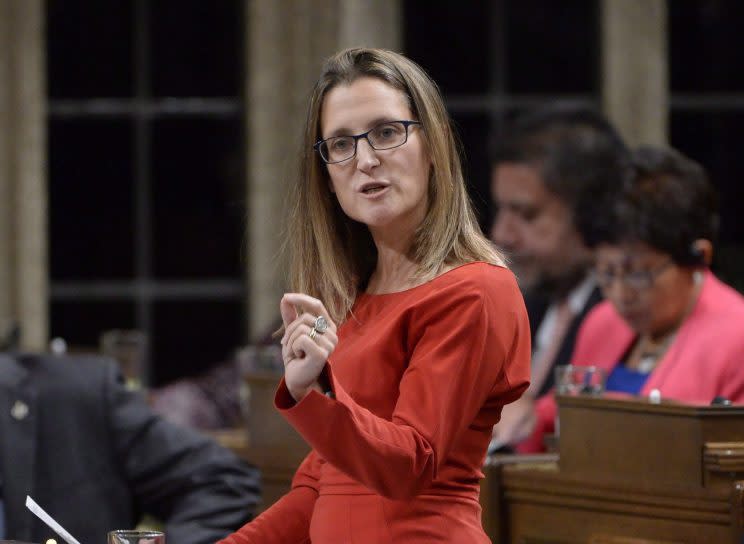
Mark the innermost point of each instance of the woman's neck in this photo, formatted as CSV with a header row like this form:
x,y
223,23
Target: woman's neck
x,y
395,271
660,335
650,347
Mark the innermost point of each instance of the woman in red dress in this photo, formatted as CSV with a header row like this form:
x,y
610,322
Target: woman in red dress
x,y
405,334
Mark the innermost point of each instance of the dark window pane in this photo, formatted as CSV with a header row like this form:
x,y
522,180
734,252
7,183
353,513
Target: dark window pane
x,y
706,45
89,48
451,41
713,139
552,47
90,199
473,130
81,323
197,48
198,198
191,337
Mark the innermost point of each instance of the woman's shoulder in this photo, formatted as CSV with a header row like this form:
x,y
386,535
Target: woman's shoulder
x,y
603,312
719,298
477,281
603,320
718,313
476,275
602,338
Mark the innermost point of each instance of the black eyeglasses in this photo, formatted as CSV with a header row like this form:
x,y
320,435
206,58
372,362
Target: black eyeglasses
x,y
637,280
383,136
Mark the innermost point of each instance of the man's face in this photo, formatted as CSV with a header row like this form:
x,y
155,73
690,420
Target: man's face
x,y
535,228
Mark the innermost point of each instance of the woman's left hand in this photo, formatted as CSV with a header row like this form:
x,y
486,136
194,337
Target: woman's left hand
x,y
304,357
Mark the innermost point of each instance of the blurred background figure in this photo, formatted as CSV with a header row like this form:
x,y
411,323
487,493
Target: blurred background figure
x,y
554,170
209,401
668,323
218,398
95,457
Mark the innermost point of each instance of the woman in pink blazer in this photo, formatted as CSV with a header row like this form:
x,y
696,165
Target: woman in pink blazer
x,y
668,323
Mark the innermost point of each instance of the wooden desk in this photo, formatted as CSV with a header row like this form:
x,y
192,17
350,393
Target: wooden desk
x,y
272,444
629,472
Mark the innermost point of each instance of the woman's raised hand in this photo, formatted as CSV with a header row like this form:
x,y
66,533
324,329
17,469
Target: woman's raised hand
x,y
305,352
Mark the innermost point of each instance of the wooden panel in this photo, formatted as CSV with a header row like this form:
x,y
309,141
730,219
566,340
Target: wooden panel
x,y
629,472
612,440
610,539
523,484
267,429
723,461
274,446
541,523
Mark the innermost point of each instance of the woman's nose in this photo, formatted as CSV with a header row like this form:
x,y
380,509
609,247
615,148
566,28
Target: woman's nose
x,y
503,231
366,155
619,292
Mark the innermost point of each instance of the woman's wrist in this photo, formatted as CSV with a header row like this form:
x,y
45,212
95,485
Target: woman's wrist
x,y
300,393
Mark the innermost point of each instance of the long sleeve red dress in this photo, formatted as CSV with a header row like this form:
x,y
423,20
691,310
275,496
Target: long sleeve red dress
x,y
419,379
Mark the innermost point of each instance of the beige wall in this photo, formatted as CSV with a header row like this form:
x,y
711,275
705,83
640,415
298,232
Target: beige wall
x,y
23,203
635,87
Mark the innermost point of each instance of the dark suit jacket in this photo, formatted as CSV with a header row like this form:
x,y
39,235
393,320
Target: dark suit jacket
x,y
93,455
537,307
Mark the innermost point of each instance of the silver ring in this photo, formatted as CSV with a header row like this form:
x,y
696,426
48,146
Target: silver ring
x,y
321,324
312,333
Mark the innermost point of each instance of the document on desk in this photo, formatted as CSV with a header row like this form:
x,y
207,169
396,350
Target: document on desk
x,y
46,518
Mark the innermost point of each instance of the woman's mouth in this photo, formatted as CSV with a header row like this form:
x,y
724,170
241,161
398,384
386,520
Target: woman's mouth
x,y
635,317
373,188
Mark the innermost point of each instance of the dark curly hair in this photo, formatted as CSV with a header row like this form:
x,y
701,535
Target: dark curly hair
x,y
581,158
668,204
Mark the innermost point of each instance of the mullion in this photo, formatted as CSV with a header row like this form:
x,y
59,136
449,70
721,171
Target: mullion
x,y
142,206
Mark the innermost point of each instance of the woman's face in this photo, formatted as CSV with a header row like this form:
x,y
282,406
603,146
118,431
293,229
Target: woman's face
x,y
646,287
387,190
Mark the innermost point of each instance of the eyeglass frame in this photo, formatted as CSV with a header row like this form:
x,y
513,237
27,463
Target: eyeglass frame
x,y
406,124
649,277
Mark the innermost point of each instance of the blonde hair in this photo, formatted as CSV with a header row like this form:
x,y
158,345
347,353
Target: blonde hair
x,y
331,256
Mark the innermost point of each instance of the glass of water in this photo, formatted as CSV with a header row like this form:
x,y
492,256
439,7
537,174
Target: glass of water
x,y
575,380
136,537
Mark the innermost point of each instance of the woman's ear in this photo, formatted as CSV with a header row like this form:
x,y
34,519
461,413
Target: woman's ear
x,y
702,250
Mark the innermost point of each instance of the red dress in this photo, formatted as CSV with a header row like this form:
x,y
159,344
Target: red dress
x,y
419,378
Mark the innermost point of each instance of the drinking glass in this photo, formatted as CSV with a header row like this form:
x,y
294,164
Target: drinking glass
x,y
136,537
579,380
129,348
573,380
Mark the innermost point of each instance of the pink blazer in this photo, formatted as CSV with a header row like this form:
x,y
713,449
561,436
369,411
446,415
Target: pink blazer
x,y
705,360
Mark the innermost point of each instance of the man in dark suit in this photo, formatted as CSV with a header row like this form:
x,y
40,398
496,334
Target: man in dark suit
x,y
92,454
553,171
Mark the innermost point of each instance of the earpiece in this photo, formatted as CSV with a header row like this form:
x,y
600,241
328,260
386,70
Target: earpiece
x,y
697,254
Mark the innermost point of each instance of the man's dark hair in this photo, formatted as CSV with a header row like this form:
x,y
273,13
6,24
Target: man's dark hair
x,y
668,204
580,157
